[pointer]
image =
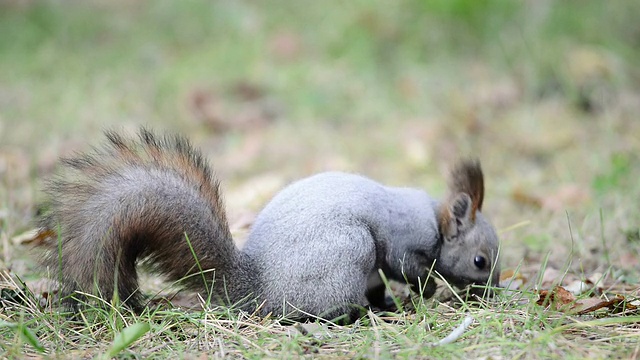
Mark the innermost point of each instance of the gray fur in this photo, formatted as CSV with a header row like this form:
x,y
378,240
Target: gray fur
x,y
314,250
320,240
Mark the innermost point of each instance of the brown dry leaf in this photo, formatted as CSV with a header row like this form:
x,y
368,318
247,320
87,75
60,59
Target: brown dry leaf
x,y
559,298
592,304
588,305
617,304
562,300
511,280
43,287
207,109
183,299
570,195
216,111
562,296
507,274
34,236
550,277
577,287
525,198
544,296
596,279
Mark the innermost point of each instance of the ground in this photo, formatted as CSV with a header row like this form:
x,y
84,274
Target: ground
x,y
545,94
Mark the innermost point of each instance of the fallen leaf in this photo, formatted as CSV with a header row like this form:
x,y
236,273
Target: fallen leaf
x,y
507,274
511,280
33,236
569,195
207,109
563,296
522,197
596,279
592,304
550,277
577,287
183,299
559,298
566,196
562,300
242,108
43,287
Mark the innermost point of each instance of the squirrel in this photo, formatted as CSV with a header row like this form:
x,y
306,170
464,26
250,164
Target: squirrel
x,y
315,250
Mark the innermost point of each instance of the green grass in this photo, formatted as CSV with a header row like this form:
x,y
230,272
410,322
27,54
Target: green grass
x,y
545,93
508,326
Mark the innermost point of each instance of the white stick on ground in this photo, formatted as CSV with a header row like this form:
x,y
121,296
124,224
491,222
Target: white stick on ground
x,y
456,333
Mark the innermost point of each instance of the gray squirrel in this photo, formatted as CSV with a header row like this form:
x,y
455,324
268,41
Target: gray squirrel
x,y
314,250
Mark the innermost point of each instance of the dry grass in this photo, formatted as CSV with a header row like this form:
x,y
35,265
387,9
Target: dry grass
x,y
546,94
506,327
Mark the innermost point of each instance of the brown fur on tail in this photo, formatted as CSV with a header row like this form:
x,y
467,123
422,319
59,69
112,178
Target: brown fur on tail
x,y
169,153
139,200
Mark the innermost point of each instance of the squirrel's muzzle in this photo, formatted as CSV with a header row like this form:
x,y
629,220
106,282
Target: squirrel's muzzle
x,y
486,290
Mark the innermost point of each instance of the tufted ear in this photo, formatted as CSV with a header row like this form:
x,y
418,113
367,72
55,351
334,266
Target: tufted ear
x,y
455,216
466,194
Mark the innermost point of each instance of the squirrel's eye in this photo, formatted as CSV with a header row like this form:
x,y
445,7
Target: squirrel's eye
x,y
480,262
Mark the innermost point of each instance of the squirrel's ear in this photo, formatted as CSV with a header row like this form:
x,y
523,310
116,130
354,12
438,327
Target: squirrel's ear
x,y
461,207
466,193
466,177
456,215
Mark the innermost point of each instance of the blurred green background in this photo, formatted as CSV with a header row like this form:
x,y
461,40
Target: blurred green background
x,y
546,93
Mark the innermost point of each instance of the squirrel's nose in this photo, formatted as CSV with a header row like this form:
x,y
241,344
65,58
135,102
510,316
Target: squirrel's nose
x,y
482,289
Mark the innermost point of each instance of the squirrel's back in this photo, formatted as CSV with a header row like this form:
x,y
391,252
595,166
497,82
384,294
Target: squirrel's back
x,y
326,234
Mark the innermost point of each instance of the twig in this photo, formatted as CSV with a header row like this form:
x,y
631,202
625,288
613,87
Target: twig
x,y
456,333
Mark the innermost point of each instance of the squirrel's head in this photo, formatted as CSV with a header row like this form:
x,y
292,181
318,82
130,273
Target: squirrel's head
x,y
469,249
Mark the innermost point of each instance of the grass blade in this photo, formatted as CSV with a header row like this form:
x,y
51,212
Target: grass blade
x,y
125,338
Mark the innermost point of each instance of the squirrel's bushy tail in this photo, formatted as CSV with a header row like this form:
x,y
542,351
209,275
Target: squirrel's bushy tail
x,y
153,200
